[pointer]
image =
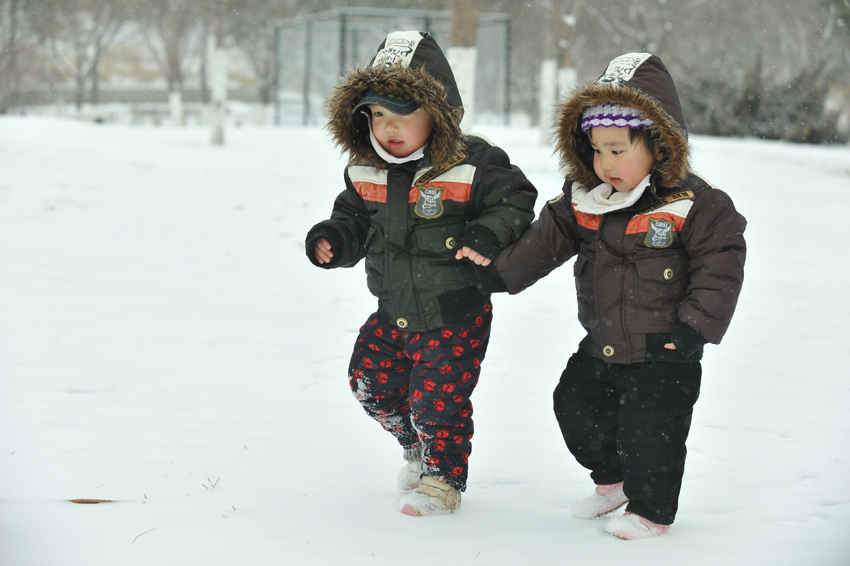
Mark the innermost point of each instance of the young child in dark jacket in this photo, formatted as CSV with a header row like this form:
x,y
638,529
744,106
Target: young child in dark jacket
x,y
659,267
428,208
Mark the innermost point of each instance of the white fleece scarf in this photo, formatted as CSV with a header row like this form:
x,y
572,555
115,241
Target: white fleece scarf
x,y
601,200
387,156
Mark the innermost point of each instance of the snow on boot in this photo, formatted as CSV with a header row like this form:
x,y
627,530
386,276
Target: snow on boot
x,y
408,476
633,527
606,499
432,497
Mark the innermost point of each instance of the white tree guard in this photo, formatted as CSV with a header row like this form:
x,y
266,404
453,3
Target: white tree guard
x,y
463,61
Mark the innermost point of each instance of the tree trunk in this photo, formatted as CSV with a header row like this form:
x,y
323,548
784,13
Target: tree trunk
x,y
8,92
462,53
175,79
567,73
219,81
266,91
175,104
547,93
175,76
95,77
203,71
464,22
79,79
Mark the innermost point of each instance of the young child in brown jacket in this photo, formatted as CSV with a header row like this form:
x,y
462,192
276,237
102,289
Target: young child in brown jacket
x,y
659,267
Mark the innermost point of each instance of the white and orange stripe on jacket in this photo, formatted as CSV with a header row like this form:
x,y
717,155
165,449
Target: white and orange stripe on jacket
x,y
371,183
676,212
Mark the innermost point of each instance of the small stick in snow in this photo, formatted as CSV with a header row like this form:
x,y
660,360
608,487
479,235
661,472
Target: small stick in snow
x,y
144,533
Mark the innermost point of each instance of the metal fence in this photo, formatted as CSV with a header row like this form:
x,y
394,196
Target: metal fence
x,y
313,51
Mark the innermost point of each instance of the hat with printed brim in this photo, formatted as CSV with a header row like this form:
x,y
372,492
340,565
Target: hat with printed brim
x,y
396,104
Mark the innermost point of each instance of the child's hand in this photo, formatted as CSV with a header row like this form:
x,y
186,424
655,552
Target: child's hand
x,y
670,346
472,255
323,251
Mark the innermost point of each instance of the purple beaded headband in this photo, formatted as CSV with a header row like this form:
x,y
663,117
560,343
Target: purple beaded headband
x,y
607,115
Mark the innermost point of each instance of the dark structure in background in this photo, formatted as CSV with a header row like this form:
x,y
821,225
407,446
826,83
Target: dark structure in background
x,y
314,50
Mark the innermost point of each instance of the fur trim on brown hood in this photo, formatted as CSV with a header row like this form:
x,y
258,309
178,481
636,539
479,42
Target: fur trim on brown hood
x,y
635,80
416,69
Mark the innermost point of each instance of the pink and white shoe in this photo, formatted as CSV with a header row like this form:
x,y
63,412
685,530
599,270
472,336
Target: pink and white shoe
x,y
432,497
606,499
633,527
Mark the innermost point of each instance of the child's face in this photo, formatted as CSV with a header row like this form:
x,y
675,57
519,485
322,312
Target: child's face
x,y
399,134
617,160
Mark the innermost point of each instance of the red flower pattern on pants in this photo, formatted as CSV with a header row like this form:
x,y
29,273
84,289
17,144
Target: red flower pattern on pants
x,y
418,387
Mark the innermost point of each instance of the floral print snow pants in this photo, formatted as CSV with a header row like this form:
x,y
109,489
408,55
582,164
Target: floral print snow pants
x,y
417,386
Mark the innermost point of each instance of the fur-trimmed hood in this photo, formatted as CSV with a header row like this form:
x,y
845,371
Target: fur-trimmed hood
x,y
407,64
635,80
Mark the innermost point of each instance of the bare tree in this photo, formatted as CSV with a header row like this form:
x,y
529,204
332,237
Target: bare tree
x,y
76,34
642,23
250,24
169,27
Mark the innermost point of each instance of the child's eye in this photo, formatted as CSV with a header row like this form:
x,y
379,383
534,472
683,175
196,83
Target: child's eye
x,y
377,114
616,152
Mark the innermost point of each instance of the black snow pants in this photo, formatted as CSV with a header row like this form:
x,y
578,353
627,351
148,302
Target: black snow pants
x,y
417,386
629,423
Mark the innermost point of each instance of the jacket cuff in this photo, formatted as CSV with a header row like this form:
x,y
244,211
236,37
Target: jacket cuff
x,y
489,280
687,340
330,234
482,240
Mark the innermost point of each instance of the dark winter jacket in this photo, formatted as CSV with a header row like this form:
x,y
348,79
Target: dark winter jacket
x,y
408,220
668,268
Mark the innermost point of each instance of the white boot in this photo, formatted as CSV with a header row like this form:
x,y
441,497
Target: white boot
x,y
432,497
632,527
408,475
606,499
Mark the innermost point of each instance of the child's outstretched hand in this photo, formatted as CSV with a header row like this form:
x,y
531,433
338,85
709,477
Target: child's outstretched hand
x,y
472,255
323,251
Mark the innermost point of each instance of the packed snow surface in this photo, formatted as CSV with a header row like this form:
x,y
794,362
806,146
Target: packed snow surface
x,y
165,344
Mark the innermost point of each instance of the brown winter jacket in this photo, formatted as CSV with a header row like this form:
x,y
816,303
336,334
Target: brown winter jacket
x,y
668,268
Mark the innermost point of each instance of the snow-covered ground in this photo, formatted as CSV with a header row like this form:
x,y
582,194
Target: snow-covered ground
x,y
165,344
